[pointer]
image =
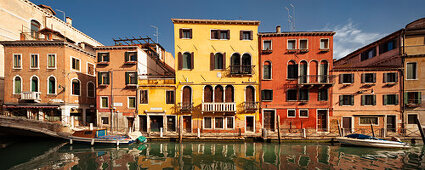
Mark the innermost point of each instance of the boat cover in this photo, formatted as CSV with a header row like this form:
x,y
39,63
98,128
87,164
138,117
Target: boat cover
x,y
361,136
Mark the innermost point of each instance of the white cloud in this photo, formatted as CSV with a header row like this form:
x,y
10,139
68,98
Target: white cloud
x,y
349,37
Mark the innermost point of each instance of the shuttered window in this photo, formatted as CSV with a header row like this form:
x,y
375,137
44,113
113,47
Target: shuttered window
x,y
130,56
267,72
220,34
303,95
51,61
169,97
103,78
368,100
346,100
246,35
103,57
185,33
390,99
17,61
143,96
411,71
207,123
187,61
291,95
18,85
34,84
390,77
368,77
323,94
292,70
34,60
75,64
131,78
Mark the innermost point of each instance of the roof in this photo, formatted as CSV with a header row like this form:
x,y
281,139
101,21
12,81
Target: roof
x,y
298,33
48,8
116,47
214,21
416,25
44,43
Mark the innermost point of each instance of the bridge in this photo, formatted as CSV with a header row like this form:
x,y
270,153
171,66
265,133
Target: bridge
x,y
28,127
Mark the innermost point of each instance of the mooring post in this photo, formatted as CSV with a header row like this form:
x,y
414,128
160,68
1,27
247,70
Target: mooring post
x,y
199,133
160,133
181,129
339,129
70,141
278,128
92,142
421,130
371,127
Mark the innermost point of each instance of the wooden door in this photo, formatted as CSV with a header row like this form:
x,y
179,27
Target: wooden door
x,y
269,119
249,124
229,94
218,94
250,94
187,124
208,94
391,124
346,124
322,120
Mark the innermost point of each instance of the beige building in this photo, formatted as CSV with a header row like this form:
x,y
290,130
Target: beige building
x,y
21,19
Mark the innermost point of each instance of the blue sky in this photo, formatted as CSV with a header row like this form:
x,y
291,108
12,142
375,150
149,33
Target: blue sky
x,y
357,22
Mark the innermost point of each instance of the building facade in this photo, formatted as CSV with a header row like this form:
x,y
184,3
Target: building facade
x,y
296,80
217,76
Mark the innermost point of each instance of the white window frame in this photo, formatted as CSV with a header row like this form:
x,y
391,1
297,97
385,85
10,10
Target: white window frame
x,y
56,85
299,113
287,113
128,102
360,124
14,84
233,117
72,88
212,121
299,44
253,118
38,61
101,102
271,70
79,63
224,123
87,69
416,70
271,45
38,83
295,44
56,63
20,61
94,85
320,42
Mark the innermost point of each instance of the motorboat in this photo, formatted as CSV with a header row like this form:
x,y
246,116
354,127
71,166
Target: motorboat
x,y
93,136
369,141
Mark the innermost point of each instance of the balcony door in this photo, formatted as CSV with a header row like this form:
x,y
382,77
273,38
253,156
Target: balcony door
x,y
235,63
229,94
246,64
323,72
187,96
250,94
303,72
218,94
208,94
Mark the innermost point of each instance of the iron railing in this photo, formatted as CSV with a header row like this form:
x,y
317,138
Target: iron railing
x,y
219,107
251,106
241,69
316,79
186,107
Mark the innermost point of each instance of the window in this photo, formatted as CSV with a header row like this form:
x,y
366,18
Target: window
x,y
292,70
130,56
207,123
220,34
103,78
267,45
303,44
76,87
303,94
35,27
218,61
34,84
291,113
246,35
103,57
169,97
52,85
390,99
143,96
368,100
130,78
105,120
17,85
104,102
90,69
323,94
187,61
291,95
17,61
412,98
267,72
324,43
75,64
131,102
51,61
229,123
267,95
369,120
90,89
346,78
368,77
171,123
34,61
368,54
303,113
292,44
219,124
412,118
390,77
387,46
411,71
346,100
185,33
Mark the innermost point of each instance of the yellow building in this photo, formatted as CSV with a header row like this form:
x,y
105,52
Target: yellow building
x,y
217,76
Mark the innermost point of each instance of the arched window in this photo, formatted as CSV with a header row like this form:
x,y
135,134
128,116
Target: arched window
x,y
218,93
90,89
235,63
187,61
314,71
35,27
292,70
34,84
303,72
323,71
17,88
230,94
51,85
76,87
218,61
186,98
246,64
208,94
250,94
267,73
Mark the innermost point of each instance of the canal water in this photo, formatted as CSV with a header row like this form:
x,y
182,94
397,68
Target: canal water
x,y
56,154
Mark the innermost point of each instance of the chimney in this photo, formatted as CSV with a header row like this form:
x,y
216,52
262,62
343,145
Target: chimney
x,y
278,30
69,20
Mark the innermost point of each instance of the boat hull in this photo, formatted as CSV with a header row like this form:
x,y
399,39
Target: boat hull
x,y
102,141
371,143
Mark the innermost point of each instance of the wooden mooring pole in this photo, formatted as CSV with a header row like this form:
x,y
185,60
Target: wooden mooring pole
x,y
278,128
421,130
339,128
371,127
181,129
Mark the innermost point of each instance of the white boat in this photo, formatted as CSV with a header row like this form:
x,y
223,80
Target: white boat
x,y
369,141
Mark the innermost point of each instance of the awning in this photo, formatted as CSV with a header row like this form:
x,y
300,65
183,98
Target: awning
x,y
30,107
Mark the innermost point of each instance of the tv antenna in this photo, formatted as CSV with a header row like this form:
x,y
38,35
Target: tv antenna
x,y
291,16
156,34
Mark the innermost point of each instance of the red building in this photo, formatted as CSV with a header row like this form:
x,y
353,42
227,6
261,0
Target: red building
x,y
295,79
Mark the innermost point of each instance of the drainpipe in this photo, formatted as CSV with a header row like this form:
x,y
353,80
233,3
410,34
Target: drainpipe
x,y
112,101
402,105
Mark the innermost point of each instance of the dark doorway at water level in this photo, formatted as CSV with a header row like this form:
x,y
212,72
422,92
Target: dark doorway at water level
x,y
156,123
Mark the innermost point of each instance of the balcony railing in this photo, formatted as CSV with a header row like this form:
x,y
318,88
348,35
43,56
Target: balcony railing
x,y
316,79
241,69
219,107
251,106
31,96
32,36
186,107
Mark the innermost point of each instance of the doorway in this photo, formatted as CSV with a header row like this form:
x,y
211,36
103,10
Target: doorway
x,y
156,123
269,119
322,120
130,121
347,124
249,123
143,123
187,124
391,123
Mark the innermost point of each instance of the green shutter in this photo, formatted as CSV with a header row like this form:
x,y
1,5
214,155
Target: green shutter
x,y
396,99
127,78
17,85
99,78
319,95
341,99
374,77
126,56
363,78
406,100
51,86
99,59
363,99
263,95
374,100
384,99
352,100
419,97
352,78
385,78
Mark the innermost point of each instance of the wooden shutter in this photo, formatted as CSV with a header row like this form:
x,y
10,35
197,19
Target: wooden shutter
x,y
251,35
127,78
192,61
406,100
352,78
374,77
208,94
341,100
190,33
396,99
363,97
228,34
352,100
384,80
363,77
99,78
249,94
98,57
224,60
419,98
181,33
374,100
341,78
212,59
107,78
213,34
384,99
126,54
229,94
218,94
240,35
263,95
396,77
180,60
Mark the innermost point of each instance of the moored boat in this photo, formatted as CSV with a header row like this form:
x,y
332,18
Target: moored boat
x,y
369,141
101,136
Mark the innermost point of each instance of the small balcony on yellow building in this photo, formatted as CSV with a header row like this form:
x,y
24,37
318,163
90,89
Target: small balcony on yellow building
x,y
240,70
219,107
251,106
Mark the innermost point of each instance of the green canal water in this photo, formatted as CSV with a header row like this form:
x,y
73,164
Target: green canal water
x,y
54,154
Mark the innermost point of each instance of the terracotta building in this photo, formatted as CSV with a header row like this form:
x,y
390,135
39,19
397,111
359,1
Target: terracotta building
x,y
295,79
50,79
368,89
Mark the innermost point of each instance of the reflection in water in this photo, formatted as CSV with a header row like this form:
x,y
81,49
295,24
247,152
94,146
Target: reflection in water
x,y
161,155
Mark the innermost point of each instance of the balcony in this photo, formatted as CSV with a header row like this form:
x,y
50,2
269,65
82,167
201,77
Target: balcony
x,y
31,96
186,107
320,80
267,51
251,106
219,107
241,69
